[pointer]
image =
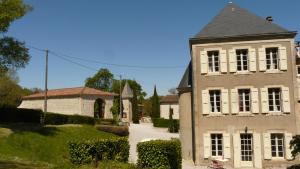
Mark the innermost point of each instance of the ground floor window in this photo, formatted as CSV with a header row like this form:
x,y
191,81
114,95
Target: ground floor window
x,y
216,144
277,145
246,147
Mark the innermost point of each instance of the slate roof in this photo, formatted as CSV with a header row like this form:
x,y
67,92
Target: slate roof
x,y
69,92
127,92
234,21
169,99
186,80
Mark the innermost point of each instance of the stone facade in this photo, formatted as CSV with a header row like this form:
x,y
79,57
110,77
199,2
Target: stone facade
x,y
165,110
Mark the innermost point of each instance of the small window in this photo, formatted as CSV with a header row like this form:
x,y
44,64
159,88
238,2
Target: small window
x,y
213,61
274,96
216,145
215,101
272,58
277,145
244,100
242,60
298,70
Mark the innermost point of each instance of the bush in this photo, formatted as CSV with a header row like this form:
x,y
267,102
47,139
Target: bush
x,y
159,154
117,130
106,121
57,119
296,166
83,152
165,123
15,115
173,126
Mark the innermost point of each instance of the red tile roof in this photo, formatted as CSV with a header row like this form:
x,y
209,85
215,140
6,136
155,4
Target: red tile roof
x,y
67,92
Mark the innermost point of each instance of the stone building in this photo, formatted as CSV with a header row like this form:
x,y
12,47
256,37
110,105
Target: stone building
x,y
127,95
238,98
169,104
70,101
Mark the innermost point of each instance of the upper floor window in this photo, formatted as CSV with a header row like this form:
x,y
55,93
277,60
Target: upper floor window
x,y
274,97
244,100
216,144
298,70
215,101
277,145
272,59
213,61
242,59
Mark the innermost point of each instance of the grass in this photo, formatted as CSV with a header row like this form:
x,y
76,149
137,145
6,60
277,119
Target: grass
x,y
30,146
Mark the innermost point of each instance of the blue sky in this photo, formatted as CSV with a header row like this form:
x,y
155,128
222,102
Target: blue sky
x,y
131,32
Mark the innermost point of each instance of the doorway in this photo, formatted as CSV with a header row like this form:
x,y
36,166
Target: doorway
x,y
246,150
99,108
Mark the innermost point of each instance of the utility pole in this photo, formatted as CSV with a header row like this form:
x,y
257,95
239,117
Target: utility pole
x,y
46,89
121,114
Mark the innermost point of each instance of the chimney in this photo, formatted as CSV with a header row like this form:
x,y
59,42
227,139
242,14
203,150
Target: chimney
x,y
269,19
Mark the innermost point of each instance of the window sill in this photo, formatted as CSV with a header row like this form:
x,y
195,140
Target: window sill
x,y
215,114
275,114
273,71
213,74
243,73
278,158
245,114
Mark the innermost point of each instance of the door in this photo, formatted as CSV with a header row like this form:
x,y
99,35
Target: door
x,y
246,150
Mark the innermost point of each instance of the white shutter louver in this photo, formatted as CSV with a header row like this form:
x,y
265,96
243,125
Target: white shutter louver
x,y
223,59
234,101
203,62
288,138
257,150
254,100
232,60
267,146
264,100
252,60
236,150
283,58
205,102
262,59
227,149
225,104
286,100
206,145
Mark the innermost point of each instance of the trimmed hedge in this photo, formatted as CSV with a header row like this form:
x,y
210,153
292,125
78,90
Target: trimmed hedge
x,y
57,119
160,154
117,130
296,166
84,152
164,123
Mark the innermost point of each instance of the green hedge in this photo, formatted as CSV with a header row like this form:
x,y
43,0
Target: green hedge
x,y
296,166
160,154
83,152
164,123
57,119
117,130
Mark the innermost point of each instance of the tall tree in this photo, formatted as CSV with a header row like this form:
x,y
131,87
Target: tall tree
x,y
135,109
155,105
102,80
13,53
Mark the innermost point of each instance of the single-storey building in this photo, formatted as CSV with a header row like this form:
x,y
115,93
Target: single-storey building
x,y
169,104
79,100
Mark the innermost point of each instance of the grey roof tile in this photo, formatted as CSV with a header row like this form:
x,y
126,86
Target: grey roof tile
x,y
186,80
127,92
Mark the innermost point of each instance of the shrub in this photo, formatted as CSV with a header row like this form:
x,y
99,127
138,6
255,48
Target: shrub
x,y
165,123
117,130
173,126
296,166
106,121
159,154
83,152
57,119
15,115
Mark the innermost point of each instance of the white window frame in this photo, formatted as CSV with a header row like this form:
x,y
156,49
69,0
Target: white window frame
x,y
244,100
215,105
241,60
276,139
216,143
271,58
273,102
212,64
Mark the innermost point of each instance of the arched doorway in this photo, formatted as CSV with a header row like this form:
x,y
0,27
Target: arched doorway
x,y
99,108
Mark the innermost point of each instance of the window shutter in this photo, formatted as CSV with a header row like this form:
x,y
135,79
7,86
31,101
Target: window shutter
x,y
283,58
205,102
226,137
264,100
288,138
206,145
234,101
254,100
257,150
223,59
252,60
232,60
225,106
204,62
267,146
286,100
237,150
262,59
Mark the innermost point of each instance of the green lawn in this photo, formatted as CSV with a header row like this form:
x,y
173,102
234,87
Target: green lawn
x,y
29,146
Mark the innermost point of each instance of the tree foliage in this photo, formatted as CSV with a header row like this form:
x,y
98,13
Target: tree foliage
x,y
102,80
155,105
135,109
10,92
295,145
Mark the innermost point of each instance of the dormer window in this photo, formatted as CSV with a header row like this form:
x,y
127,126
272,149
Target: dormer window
x,y
213,61
272,59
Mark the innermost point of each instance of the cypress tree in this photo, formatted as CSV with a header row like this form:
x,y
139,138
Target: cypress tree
x,y
135,111
155,105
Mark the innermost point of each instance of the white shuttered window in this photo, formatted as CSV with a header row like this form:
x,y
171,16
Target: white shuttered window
x,y
203,62
205,102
